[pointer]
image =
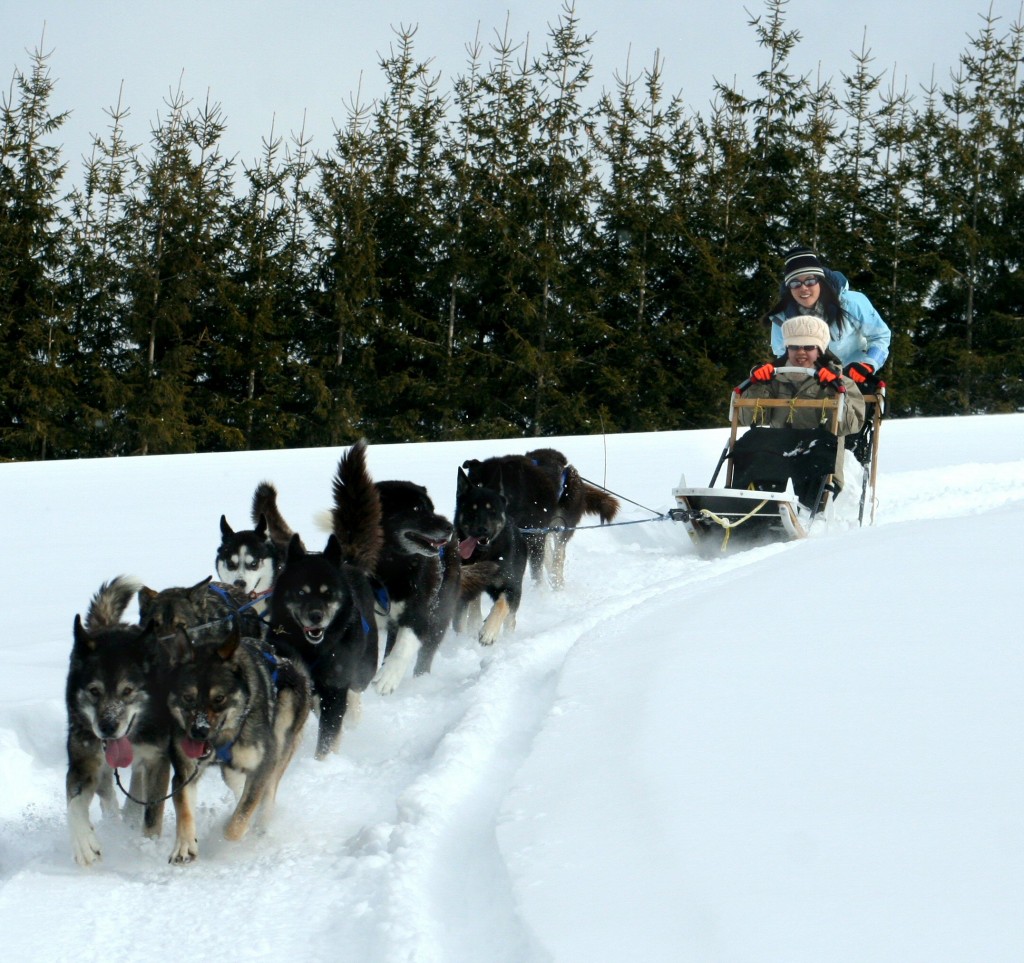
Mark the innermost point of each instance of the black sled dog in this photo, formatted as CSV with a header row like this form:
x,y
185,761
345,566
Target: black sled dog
x,y
236,704
419,569
493,552
546,498
117,717
322,610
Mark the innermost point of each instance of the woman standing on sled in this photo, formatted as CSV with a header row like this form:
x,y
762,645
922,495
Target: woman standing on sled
x,y
805,341
858,337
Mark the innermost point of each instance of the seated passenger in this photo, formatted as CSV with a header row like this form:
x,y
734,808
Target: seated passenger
x,y
806,340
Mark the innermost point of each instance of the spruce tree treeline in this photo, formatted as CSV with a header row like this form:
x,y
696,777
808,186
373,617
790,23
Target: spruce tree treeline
x,y
504,258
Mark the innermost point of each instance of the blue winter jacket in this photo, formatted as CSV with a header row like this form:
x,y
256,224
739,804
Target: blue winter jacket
x,y
865,335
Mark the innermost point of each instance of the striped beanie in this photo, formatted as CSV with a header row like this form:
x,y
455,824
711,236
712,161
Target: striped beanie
x,y
801,261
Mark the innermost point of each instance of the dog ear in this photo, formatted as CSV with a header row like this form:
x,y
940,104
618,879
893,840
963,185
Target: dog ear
x,y
261,526
333,550
464,482
146,597
197,594
82,638
295,548
226,530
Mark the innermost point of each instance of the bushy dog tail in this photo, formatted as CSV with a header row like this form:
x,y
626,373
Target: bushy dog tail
x,y
357,513
108,604
264,503
597,501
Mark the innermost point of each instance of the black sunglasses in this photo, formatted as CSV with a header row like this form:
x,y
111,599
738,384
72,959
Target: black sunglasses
x,y
801,347
811,282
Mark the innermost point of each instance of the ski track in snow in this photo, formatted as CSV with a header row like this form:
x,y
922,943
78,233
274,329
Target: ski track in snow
x,y
409,806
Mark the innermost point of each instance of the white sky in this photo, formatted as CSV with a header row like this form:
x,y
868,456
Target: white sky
x,y
266,60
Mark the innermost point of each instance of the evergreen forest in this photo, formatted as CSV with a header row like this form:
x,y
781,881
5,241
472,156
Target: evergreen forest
x,y
502,257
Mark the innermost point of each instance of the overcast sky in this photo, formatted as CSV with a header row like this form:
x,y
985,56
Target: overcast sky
x,y
269,61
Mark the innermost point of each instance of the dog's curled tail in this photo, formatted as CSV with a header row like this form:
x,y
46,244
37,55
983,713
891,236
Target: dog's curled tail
x,y
264,503
597,501
356,515
110,601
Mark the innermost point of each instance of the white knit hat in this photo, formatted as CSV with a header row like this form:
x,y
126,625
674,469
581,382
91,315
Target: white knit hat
x,y
806,329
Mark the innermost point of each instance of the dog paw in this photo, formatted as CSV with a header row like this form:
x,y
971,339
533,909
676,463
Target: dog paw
x,y
186,851
487,637
86,848
387,679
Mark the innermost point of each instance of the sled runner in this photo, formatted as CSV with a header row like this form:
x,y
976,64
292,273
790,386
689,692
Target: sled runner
x,y
778,480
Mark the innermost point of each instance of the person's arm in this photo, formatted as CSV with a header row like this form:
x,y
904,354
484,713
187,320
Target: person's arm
x,y
873,329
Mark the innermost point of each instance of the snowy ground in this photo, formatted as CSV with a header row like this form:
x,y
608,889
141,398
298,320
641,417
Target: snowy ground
x,y
798,753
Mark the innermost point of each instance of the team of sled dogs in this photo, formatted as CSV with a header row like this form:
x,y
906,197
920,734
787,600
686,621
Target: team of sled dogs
x,y
226,672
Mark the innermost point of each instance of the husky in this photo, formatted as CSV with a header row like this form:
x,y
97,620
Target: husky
x,y
234,703
117,717
547,498
493,552
576,498
202,611
419,569
249,560
322,610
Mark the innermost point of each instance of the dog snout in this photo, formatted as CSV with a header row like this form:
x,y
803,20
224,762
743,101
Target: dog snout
x,y
200,727
110,721
315,616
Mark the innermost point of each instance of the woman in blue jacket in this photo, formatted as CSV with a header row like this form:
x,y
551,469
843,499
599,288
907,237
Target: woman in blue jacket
x,y
860,338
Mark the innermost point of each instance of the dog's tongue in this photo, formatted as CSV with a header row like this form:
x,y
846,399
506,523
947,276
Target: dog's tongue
x,y
193,748
118,752
467,546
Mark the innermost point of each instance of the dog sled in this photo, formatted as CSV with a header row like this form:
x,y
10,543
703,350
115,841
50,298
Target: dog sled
x,y
778,481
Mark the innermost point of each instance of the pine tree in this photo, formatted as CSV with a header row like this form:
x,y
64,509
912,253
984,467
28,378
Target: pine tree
x,y
37,397
970,170
180,313
100,241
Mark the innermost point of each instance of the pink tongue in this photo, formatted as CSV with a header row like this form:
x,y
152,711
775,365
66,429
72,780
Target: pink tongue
x,y
467,545
193,748
118,752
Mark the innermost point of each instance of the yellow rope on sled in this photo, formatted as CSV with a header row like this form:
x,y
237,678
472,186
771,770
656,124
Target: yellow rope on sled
x,y
728,525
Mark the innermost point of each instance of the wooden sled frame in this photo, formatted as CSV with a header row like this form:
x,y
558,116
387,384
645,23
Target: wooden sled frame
x,y
708,511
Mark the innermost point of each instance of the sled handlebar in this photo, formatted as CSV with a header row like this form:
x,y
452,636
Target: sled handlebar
x,y
786,369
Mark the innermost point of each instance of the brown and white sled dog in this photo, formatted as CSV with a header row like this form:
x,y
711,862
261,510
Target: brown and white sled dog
x,y
236,704
117,717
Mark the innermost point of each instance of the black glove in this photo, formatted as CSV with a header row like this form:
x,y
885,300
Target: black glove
x,y
859,371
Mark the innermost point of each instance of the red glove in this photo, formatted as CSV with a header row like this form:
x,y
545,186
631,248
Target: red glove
x,y
762,373
859,371
827,376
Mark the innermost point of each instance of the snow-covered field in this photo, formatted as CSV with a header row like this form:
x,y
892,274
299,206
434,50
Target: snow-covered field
x,y
805,752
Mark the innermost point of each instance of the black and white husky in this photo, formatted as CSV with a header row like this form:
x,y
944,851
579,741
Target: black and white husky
x,y
117,717
249,560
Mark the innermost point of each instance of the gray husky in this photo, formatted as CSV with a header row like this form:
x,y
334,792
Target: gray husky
x,y
117,717
236,704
